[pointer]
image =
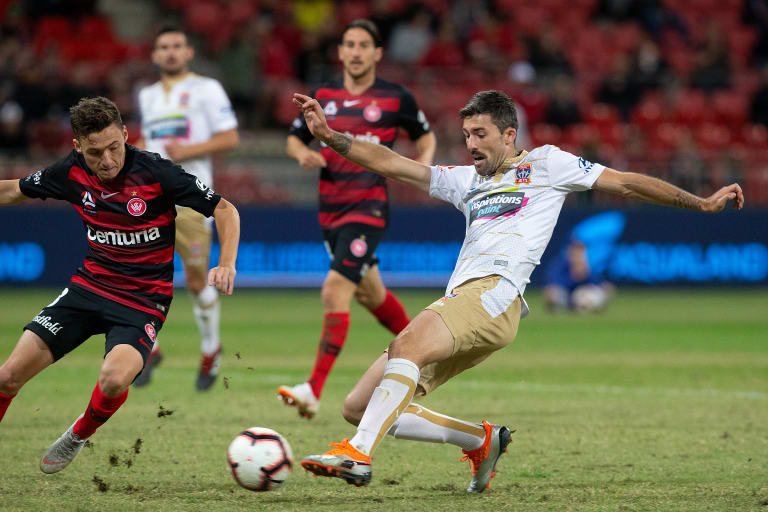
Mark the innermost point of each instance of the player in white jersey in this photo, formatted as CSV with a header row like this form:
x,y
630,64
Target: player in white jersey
x,y
186,117
511,200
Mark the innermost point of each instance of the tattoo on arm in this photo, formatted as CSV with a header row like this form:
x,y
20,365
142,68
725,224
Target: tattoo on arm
x,y
685,200
340,143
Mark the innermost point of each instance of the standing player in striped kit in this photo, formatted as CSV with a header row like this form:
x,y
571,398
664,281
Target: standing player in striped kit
x,y
187,117
126,199
354,207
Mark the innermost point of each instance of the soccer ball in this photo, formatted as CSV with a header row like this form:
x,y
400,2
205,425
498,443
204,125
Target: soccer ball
x,y
260,459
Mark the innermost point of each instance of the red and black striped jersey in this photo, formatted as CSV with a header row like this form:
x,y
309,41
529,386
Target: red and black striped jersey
x,y
129,223
350,193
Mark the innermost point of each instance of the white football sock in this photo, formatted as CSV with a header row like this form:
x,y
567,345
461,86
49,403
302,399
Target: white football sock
x,y
207,313
418,423
389,399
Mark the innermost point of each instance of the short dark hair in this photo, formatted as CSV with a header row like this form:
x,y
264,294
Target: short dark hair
x,y
169,29
92,115
496,103
368,26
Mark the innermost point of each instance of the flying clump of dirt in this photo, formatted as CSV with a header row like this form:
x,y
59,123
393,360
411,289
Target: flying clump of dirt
x,y
101,485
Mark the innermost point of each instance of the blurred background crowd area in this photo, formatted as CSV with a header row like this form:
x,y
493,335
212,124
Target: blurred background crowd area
x,y
673,88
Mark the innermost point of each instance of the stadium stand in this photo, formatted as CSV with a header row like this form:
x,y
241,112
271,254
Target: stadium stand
x,y
685,81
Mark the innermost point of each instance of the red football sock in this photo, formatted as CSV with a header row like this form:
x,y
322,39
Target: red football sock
x,y
5,401
100,409
335,327
391,314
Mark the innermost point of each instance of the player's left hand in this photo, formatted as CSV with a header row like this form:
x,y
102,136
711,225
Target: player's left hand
x,y
223,278
177,152
716,202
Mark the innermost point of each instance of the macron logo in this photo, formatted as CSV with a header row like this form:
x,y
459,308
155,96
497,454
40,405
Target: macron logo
x,y
45,321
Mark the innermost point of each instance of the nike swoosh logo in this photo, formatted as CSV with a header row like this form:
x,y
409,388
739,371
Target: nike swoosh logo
x,y
46,461
107,196
351,103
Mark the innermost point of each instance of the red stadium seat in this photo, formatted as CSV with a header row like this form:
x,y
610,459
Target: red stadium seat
x,y
625,37
741,42
204,17
693,108
731,107
97,28
51,31
605,119
712,136
649,113
666,136
542,133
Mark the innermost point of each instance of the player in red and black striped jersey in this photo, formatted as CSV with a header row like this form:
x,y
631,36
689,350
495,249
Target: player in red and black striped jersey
x,y
126,199
354,206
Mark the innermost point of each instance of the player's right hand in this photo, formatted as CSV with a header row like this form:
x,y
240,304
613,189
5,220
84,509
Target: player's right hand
x,y
309,159
313,116
223,279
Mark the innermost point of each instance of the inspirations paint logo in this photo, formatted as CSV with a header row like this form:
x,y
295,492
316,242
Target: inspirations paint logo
x,y
500,203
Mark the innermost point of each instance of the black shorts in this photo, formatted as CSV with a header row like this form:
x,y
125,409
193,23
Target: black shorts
x,y
351,248
77,314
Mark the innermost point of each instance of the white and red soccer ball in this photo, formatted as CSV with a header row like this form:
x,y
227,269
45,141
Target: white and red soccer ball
x,y
260,459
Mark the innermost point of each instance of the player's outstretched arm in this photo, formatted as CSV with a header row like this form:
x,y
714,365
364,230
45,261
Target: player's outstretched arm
x,y
375,157
654,190
228,227
10,193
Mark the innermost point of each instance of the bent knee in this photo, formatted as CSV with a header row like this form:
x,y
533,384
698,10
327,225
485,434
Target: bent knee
x,y
368,299
352,411
112,383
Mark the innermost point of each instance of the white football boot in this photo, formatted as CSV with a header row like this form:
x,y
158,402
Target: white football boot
x,y
62,452
300,396
483,459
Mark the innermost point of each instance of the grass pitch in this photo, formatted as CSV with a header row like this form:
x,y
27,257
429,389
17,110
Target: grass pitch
x,y
659,403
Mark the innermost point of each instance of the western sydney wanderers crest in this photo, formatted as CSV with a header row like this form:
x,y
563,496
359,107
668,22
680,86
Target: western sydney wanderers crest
x,y
151,332
136,206
523,174
372,113
358,247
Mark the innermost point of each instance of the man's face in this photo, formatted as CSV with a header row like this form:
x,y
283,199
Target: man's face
x,y
487,146
358,53
172,53
104,151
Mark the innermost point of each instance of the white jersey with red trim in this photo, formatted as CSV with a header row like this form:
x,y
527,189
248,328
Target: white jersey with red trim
x,y
511,215
192,111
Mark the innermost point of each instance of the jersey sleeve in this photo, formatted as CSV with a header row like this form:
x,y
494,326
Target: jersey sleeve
x,y
185,189
218,109
50,182
449,183
299,126
570,172
411,118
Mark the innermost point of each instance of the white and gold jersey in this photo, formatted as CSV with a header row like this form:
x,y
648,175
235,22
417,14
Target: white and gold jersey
x,y
192,111
510,216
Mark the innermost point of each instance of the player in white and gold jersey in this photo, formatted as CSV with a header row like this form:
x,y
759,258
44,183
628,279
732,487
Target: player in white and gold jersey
x,y
511,200
186,117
